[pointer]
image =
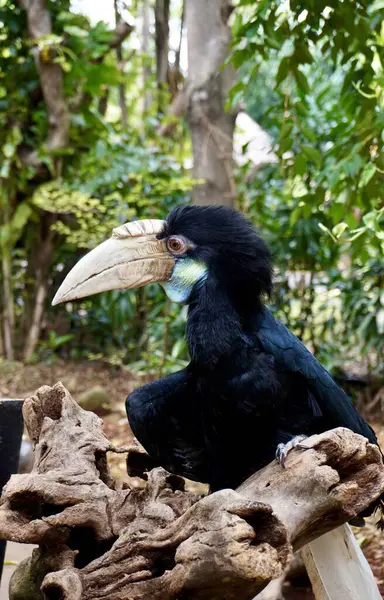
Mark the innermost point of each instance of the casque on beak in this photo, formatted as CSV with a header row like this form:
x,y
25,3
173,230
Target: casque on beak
x,y
132,257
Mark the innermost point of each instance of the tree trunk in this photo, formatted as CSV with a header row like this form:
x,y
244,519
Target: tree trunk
x,y
8,314
145,36
100,540
37,315
51,81
162,46
2,353
211,126
7,320
103,103
42,262
119,54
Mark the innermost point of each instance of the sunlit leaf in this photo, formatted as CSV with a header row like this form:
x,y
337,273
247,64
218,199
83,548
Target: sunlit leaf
x,y
312,154
339,229
76,31
367,174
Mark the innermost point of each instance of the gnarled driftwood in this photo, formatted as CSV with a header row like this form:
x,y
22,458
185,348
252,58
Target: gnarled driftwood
x,y
99,539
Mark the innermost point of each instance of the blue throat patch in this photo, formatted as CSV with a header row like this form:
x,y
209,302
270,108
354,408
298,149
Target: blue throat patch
x,y
187,273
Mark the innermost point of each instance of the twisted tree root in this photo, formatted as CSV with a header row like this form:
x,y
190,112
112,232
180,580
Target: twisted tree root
x,y
99,539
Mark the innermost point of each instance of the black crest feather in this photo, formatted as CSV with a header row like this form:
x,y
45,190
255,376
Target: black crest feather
x,y
227,241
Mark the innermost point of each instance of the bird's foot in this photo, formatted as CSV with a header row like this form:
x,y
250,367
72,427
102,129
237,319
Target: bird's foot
x,y
283,450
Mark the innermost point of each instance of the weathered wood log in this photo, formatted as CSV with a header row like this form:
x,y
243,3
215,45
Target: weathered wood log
x,y
337,567
100,539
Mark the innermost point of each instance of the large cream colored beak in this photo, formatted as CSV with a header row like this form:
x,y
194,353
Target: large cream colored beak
x,y
132,257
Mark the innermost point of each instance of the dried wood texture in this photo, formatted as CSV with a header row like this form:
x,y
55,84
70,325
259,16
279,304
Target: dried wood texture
x,y
101,540
338,568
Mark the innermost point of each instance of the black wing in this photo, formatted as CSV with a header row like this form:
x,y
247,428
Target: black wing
x,y
328,397
163,416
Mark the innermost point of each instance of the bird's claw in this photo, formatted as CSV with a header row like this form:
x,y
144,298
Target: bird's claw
x,y
283,450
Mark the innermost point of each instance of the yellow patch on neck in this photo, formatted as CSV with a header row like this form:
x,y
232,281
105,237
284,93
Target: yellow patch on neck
x,y
186,273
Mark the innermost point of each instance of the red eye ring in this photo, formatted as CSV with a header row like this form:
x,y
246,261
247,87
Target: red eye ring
x,y
176,245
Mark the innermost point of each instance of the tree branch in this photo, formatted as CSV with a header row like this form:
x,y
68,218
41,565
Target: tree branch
x,y
162,40
121,32
51,81
176,110
119,54
99,539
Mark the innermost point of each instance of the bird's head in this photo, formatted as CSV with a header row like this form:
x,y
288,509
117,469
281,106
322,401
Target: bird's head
x,y
193,246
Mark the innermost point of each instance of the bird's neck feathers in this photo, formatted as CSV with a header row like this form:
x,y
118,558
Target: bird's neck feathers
x,y
216,325
223,312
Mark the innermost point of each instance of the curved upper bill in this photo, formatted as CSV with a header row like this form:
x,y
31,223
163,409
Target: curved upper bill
x,y
132,257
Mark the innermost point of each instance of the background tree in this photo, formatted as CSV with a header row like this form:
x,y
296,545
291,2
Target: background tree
x,y
78,155
320,69
212,127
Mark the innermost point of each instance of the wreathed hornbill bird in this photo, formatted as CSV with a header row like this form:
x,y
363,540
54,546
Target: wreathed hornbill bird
x,y
252,390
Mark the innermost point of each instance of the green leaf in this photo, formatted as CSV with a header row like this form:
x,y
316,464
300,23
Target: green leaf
x,y
376,5
300,165
9,150
356,234
75,31
307,131
380,321
19,221
302,81
283,70
5,169
60,340
326,230
312,154
367,174
370,220
303,54
284,145
286,129
339,229
295,215
178,348
352,165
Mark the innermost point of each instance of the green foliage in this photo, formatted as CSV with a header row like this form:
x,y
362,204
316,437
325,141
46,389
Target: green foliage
x,y
104,176
141,329
48,348
312,75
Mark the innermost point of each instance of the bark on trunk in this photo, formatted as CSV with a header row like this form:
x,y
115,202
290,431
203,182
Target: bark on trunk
x,y
145,51
103,103
51,80
162,47
99,539
37,315
211,126
42,263
7,320
8,314
119,54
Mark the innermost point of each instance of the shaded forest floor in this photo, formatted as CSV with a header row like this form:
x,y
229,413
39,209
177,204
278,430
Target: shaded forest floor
x,y
101,388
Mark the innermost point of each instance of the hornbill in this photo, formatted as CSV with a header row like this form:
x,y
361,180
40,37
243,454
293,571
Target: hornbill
x,y
252,390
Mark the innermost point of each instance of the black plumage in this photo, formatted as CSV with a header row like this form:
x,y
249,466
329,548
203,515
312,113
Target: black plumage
x,y
251,384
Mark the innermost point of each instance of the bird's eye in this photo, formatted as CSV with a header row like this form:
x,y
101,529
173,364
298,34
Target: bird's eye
x,y
176,245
